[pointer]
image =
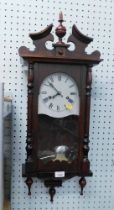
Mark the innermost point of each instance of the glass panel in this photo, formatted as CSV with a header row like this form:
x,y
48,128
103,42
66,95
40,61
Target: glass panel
x,y
58,138
58,109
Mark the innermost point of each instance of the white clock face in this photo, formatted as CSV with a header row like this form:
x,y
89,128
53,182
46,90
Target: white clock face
x,y
58,96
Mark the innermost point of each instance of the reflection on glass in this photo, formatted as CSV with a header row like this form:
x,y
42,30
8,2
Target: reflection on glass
x,y
58,138
61,153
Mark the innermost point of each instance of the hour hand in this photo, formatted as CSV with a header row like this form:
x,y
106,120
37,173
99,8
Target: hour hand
x,y
54,96
50,97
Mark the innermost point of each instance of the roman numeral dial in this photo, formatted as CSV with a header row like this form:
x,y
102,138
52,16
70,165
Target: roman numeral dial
x,y
58,96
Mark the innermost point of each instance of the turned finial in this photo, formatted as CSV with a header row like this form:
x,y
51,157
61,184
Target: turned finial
x,y
60,30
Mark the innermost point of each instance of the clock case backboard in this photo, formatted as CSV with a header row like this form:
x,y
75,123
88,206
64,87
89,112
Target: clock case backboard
x,y
77,64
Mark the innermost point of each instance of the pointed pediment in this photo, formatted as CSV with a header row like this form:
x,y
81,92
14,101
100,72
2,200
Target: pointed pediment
x,y
60,50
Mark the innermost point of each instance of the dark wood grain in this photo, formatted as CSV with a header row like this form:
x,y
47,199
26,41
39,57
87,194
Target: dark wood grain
x,y
44,132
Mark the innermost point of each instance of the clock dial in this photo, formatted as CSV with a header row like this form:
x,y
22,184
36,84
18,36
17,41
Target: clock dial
x,y
58,96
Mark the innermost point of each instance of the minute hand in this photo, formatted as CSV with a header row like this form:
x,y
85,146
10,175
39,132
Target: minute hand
x,y
58,92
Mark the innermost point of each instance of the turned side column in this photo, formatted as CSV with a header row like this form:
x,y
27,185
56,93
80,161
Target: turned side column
x,y
29,147
86,162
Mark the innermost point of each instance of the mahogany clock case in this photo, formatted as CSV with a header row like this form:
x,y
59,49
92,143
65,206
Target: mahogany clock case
x,y
45,132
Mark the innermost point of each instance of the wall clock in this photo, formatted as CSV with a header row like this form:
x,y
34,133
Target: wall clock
x,y
59,89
